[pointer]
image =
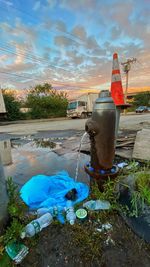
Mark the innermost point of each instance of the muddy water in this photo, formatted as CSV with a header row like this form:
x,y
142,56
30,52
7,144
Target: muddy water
x,y
32,157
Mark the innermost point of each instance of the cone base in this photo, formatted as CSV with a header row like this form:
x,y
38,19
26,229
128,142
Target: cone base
x,y
123,106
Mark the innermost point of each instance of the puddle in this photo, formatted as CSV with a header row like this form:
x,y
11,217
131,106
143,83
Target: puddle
x,y
44,143
36,156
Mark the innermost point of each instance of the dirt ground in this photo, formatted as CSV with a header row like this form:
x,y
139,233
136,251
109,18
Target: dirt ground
x,y
82,245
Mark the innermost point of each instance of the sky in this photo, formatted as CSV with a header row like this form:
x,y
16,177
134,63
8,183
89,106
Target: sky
x,y
70,43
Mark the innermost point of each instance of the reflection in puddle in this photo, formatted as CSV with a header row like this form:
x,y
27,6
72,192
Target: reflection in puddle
x,y
38,156
5,152
44,143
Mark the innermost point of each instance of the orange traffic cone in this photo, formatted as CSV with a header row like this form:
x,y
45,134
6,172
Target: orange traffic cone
x,y
116,83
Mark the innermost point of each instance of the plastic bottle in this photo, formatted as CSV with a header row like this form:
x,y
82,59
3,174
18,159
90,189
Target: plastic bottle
x,y
97,205
70,214
56,212
42,211
37,225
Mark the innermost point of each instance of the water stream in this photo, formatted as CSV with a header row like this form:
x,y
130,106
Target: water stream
x,y
78,156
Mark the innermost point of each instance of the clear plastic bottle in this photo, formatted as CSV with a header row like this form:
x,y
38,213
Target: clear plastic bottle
x,y
37,225
70,214
42,211
97,205
56,212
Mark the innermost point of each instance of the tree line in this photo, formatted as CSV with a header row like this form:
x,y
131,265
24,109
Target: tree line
x,y
42,101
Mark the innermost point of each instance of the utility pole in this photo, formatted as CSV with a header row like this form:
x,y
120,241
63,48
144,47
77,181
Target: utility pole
x,y
126,69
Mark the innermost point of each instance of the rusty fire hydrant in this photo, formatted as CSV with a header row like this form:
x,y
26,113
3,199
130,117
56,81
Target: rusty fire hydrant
x,y
101,130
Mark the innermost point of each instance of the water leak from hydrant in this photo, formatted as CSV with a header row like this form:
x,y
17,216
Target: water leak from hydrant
x,y
78,156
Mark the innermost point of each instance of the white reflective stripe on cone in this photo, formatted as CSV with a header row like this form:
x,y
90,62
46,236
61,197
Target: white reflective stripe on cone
x,y
115,64
116,78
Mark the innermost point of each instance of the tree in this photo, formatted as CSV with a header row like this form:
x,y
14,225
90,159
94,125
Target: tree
x,y
46,102
142,99
39,89
12,105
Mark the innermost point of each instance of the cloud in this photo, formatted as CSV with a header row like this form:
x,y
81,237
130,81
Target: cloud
x,y
80,32
19,30
80,42
78,5
60,26
63,41
37,6
52,3
8,3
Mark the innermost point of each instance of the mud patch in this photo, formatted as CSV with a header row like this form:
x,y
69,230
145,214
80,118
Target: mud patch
x,y
73,247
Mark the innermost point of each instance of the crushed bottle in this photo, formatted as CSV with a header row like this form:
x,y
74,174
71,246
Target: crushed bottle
x,y
17,251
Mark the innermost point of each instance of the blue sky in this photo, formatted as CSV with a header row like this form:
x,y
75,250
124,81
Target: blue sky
x,y
70,43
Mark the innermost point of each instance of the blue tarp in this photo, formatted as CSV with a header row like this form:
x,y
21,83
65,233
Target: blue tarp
x,y
47,191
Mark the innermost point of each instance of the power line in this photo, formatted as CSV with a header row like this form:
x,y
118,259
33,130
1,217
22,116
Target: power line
x,y
40,60
35,57
2,48
52,81
69,35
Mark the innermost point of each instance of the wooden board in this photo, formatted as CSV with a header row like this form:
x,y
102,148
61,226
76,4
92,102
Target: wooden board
x,y
142,145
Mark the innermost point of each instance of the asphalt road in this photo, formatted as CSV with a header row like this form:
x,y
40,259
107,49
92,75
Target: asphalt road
x,y
129,122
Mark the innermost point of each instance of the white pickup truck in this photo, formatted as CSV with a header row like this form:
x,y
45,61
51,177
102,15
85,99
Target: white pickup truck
x,y
82,107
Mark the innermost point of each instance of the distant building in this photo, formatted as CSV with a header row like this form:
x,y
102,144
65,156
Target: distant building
x,y
2,106
130,95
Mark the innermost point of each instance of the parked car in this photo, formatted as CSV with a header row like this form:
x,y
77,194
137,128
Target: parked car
x,y
141,109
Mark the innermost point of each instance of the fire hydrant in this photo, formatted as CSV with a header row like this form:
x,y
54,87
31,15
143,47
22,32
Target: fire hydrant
x,y
101,130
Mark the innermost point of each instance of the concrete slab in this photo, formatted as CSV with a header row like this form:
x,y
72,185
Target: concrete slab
x,y
142,145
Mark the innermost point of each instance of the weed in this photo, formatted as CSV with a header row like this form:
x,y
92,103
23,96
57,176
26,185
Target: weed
x,y
143,186
137,204
13,232
109,193
16,207
17,221
88,240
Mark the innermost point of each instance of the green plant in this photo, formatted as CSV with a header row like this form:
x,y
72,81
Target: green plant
x,y
137,204
5,261
16,207
45,102
17,220
13,232
13,106
109,192
143,186
142,99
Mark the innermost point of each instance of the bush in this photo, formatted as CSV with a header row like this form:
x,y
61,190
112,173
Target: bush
x,y
46,104
12,106
142,99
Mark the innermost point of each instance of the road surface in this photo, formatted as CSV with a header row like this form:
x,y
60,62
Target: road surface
x,y
129,122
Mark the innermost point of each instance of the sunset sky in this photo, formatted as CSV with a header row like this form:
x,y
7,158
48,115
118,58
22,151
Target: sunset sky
x,y
69,43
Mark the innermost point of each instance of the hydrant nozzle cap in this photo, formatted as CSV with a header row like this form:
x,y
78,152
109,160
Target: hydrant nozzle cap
x,y
104,97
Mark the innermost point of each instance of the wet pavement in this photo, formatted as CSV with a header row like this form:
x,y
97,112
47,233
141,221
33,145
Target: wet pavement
x,y
32,156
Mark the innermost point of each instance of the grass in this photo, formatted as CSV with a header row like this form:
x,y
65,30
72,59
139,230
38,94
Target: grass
x,y
143,186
